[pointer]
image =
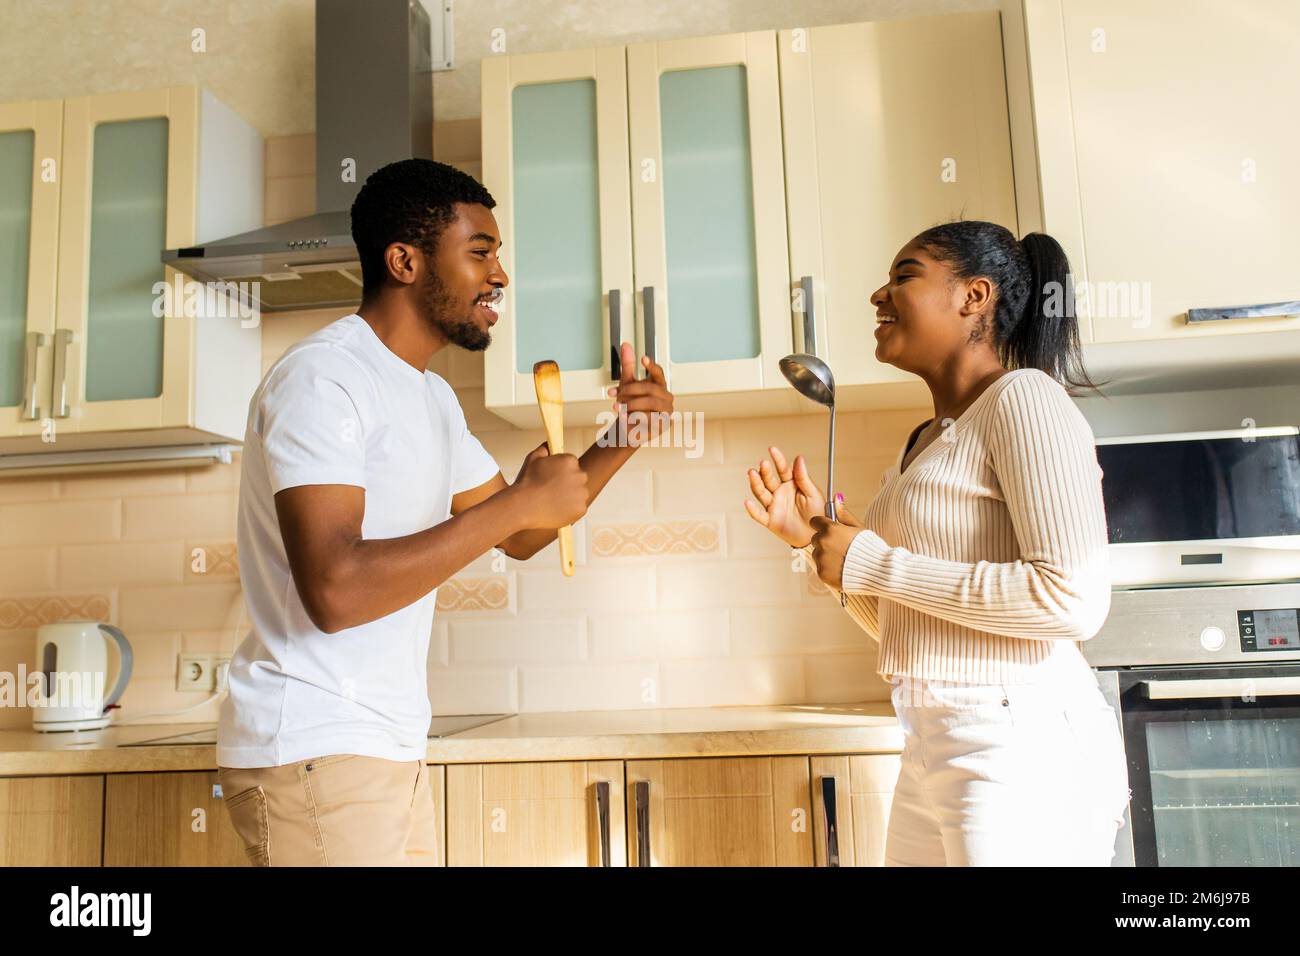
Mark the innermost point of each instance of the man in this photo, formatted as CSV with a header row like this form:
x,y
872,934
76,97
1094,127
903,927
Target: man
x,y
362,491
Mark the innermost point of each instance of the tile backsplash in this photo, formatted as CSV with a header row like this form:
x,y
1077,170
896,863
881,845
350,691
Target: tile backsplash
x,y
679,600
150,551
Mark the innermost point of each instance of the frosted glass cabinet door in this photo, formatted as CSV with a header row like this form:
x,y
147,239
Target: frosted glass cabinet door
x,y
29,222
121,349
555,159
708,210
890,128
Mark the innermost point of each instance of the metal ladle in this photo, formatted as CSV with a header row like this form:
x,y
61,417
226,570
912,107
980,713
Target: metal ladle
x,y
812,378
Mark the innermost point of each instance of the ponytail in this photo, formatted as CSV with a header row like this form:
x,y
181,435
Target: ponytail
x,y
1034,322
1047,335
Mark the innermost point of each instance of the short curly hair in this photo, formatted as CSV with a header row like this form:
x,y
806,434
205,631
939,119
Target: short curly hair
x,y
409,201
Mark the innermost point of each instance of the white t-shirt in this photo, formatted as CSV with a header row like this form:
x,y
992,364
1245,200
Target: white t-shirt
x,y
340,408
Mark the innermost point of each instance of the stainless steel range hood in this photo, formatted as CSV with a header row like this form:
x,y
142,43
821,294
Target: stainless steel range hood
x,y
374,105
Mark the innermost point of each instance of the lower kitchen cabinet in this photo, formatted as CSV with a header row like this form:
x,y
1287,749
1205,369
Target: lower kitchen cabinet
x,y
51,821
687,811
851,800
731,811
536,814
438,784
168,819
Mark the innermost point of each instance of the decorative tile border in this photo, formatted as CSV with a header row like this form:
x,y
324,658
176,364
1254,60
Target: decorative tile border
x,y
656,538
28,612
208,561
494,592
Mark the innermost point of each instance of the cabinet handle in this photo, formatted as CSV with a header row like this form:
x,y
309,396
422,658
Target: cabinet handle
x,y
832,822
648,319
602,818
809,318
31,409
1265,310
1221,687
615,334
62,339
642,790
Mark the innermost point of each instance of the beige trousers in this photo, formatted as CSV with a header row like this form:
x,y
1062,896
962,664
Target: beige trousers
x,y
336,810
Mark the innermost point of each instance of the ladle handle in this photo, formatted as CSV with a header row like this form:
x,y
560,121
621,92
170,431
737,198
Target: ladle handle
x,y
830,471
830,486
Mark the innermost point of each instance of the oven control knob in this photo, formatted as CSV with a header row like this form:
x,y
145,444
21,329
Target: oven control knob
x,y
1212,638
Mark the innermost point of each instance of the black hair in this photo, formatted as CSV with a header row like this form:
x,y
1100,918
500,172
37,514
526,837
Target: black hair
x,y
1034,325
409,201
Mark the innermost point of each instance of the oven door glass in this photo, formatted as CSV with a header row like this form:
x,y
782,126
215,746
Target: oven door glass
x,y
1214,764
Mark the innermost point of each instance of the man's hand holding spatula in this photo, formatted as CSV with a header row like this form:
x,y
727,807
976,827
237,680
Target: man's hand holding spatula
x,y
648,398
642,406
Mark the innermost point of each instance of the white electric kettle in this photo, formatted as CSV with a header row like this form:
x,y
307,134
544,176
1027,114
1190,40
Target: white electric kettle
x,y
72,659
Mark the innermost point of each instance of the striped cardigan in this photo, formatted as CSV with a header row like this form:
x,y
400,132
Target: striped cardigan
x,y
986,560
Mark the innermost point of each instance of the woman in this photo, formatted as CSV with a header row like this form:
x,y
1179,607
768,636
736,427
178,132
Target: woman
x,y
981,562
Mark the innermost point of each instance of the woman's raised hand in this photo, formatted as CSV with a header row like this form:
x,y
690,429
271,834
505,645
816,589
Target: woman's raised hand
x,y
787,498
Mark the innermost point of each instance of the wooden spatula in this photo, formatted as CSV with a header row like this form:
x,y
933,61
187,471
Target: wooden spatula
x,y
550,400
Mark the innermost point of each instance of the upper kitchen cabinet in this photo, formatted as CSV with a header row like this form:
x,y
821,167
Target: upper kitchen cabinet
x,y
708,211
889,128
640,198
29,221
555,158
143,171
101,346
1159,146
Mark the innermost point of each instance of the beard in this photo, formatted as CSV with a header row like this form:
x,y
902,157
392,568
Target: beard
x,y
440,309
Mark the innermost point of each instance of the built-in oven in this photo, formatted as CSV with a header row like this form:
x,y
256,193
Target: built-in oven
x,y
1206,686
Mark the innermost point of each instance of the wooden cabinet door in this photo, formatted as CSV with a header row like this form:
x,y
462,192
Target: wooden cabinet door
x,y
852,824
30,135
889,128
168,819
1166,150
730,811
555,159
438,784
709,231
51,821
535,814
122,353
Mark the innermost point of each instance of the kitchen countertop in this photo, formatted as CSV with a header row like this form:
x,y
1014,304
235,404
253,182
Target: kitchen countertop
x,y
868,727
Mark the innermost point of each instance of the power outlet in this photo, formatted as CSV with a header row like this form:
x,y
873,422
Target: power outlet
x,y
195,673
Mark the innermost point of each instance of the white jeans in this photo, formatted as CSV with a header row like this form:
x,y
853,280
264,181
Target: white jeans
x,y
1007,774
